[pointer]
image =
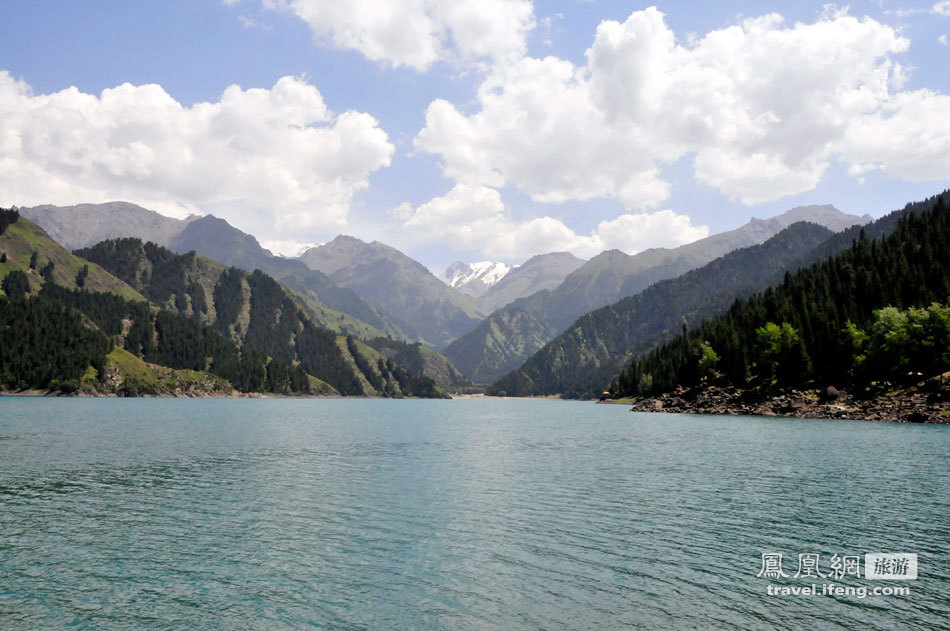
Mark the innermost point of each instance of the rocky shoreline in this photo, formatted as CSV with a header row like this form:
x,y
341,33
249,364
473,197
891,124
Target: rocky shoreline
x,y
829,403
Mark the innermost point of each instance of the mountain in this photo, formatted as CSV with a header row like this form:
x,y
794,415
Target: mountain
x,y
338,308
204,316
254,310
420,360
502,341
83,225
873,319
544,271
334,307
474,279
64,321
825,215
611,275
401,289
21,240
581,361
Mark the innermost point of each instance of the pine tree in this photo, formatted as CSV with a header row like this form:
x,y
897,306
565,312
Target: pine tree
x,y
81,276
16,285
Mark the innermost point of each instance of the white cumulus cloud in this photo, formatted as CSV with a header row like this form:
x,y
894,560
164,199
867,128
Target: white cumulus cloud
x,y
474,217
908,138
267,159
418,33
762,107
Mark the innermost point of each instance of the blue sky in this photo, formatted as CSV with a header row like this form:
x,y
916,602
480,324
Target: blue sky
x,y
475,130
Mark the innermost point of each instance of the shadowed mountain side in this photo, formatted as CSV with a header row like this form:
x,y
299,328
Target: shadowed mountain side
x,y
599,343
400,288
419,359
871,321
612,275
501,342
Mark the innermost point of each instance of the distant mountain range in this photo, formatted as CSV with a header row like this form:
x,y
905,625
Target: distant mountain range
x,y
372,290
511,334
493,285
382,291
422,306
209,310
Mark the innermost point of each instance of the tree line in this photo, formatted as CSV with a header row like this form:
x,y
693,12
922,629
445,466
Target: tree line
x,y
8,216
170,339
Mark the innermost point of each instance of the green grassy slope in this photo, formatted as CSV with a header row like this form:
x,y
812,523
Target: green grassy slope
x,y
132,376
22,238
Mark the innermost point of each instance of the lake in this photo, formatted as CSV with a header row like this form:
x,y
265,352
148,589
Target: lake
x,y
467,514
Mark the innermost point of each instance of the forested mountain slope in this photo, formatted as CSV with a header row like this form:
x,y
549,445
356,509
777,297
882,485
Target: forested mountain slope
x,y
253,310
84,225
583,359
218,240
858,319
246,329
25,246
61,318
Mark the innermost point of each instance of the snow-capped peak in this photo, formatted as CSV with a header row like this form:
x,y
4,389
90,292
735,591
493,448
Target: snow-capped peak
x,y
475,278
288,249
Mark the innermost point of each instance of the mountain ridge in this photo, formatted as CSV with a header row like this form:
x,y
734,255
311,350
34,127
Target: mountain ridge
x,y
541,271
84,225
595,346
401,288
604,279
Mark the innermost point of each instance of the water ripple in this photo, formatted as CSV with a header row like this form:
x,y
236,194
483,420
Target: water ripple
x,y
452,515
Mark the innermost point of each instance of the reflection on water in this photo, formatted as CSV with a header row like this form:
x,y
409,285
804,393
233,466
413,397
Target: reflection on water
x,y
353,514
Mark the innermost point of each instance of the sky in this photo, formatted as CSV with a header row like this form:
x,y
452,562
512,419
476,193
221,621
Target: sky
x,y
475,129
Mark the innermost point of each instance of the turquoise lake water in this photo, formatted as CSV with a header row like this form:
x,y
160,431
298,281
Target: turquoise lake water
x,y
478,514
